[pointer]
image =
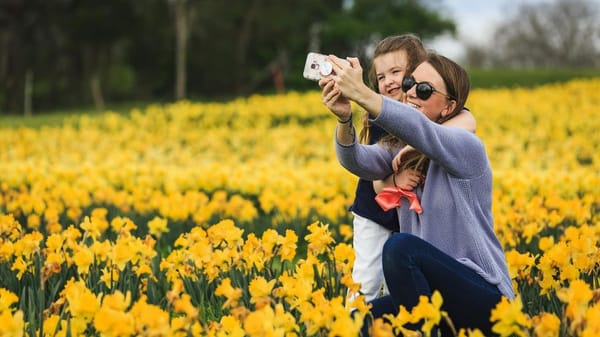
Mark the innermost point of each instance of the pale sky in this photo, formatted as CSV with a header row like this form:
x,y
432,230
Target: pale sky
x,y
475,22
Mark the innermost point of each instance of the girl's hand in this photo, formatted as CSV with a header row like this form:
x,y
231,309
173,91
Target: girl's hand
x,y
408,179
404,154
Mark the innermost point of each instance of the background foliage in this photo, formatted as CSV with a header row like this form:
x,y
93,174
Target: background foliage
x,y
80,53
128,48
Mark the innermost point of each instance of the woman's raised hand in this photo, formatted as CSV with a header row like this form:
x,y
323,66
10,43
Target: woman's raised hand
x,y
333,99
348,77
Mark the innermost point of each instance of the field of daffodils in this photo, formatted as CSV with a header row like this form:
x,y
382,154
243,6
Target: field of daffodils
x,y
230,219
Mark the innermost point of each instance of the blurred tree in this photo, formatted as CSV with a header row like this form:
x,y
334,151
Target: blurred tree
x,y
476,56
19,33
181,18
364,22
151,52
239,47
564,33
73,52
96,29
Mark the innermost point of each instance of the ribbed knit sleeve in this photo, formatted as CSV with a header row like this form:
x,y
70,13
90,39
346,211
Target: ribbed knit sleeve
x,y
370,162
459,151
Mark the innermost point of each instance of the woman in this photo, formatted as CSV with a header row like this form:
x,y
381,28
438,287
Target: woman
x,y
451,245
393,57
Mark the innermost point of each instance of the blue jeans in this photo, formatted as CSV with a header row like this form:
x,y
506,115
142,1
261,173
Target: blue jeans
x,y
413,267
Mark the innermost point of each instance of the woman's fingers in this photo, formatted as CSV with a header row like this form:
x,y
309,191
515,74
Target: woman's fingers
x,y
330,94
324,81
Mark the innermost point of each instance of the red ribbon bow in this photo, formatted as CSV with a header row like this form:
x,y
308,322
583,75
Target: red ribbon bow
x,y
391,197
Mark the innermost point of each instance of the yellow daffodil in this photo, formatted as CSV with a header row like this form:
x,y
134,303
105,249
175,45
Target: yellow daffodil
x,y
149,320
509,318
28,244
12,325
577,297
7,299
20,266
261,323
184,305
519,265
546,325
6,250
232,294
231,327
225,232
287,251
260,291
81,301
428,311
380,328
157,226
319,237
470,333
83,259
112,318
592,319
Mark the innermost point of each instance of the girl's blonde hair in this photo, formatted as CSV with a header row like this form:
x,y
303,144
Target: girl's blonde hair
x,y
415,54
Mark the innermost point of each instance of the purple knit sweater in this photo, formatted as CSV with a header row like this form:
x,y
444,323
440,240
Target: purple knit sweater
x,y
457,194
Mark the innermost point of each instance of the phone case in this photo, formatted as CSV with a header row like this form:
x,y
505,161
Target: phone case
x,y
315,64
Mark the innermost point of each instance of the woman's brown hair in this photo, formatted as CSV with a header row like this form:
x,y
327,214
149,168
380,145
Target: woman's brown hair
x,y
457,85
455,79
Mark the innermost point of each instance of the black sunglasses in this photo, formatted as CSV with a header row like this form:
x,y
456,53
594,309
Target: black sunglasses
x,y
424,89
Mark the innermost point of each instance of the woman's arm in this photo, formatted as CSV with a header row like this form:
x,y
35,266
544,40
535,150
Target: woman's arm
x,y
370,162
340,107
460,152
463,120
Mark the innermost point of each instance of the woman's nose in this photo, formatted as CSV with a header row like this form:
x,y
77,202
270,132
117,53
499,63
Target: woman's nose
x,y
412,91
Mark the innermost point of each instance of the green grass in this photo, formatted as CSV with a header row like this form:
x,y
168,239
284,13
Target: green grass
x,y
511,78
480,78
59,116
37,121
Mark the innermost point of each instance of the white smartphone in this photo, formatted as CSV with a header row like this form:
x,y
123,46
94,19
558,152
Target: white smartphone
x,y
316,66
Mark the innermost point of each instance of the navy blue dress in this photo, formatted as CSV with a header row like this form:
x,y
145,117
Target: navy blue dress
x,y
364,201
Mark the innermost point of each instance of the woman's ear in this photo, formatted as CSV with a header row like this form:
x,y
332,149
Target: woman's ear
x,y
447,111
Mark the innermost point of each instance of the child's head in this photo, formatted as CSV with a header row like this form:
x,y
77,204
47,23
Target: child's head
x,y
394,57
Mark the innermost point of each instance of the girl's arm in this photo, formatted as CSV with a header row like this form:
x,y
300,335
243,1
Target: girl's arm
x,y
464,120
